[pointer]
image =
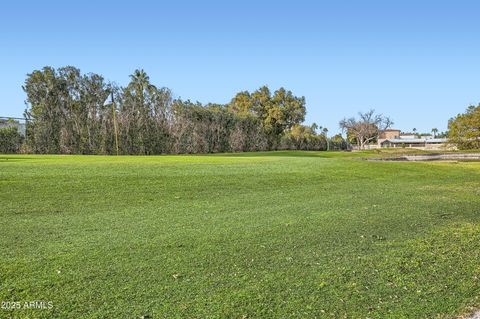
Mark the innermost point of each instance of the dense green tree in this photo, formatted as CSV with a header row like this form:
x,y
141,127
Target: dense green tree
x,y
242,103
278,112
63,110
464,129
45,114
302,137
337,142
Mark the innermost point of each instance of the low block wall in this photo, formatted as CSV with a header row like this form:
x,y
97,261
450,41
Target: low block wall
x,y
443,157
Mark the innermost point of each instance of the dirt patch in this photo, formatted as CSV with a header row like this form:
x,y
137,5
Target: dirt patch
x,y
475,315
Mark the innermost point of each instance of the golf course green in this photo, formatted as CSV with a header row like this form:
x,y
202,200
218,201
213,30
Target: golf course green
x,y
254,235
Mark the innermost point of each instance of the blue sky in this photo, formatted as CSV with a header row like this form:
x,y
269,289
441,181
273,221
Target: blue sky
x,y
416,61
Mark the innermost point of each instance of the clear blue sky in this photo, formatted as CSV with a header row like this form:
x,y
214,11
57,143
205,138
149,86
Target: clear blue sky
x,y
416,61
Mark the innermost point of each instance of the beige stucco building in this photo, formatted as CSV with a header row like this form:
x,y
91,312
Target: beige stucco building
x,y
396,139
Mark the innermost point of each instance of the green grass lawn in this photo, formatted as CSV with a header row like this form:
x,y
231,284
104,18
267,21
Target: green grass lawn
x,y
267,235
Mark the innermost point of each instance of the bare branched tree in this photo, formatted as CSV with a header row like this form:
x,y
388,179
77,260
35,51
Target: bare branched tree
x,y
367,127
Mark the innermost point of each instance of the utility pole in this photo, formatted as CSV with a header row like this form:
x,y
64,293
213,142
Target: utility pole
x,y
115,122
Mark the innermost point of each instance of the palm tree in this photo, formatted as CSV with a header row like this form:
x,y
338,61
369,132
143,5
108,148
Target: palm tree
x,y
140,77
414,131
140,87
434,131
140,82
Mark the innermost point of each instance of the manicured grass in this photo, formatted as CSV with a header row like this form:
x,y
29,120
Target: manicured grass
x,y
268,235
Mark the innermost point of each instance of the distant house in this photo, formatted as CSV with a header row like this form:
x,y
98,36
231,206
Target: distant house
x,y
414,142
389,134
396,139
408,135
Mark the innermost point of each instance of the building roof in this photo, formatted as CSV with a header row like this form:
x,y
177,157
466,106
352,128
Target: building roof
x,y
436,140
416,140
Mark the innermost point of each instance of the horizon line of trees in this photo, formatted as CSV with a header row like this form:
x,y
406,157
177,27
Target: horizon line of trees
x,y
73,113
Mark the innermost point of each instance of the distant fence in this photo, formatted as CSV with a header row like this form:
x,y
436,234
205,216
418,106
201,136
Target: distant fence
x,y
431,147
443,157
366,147
431,157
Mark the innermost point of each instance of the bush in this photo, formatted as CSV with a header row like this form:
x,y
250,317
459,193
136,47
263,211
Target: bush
x,y
10,140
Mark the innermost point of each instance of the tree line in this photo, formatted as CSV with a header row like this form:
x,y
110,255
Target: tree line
x,y
73,113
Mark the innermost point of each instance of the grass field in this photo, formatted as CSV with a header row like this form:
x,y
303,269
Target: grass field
x,y
267,235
